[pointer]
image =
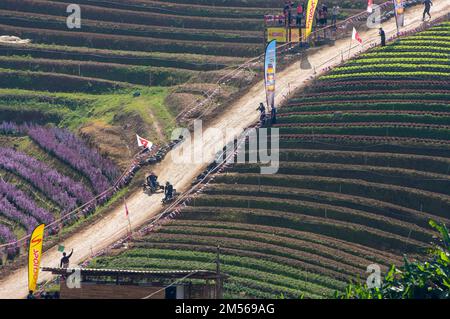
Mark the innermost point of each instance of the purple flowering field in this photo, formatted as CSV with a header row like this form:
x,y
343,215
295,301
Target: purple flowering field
x,y
67,194
25,203
62,190
10,211
70,149
6,235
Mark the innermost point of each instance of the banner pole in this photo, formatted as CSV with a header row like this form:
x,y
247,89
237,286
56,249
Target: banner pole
x,y
350,48
396,17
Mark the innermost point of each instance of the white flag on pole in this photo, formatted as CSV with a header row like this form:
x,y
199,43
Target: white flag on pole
x,y
355,36
142,142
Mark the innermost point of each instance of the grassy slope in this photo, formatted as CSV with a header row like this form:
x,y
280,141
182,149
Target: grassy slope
x,y
102,107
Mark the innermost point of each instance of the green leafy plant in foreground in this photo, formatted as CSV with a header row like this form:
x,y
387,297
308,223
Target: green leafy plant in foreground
x,y
414,280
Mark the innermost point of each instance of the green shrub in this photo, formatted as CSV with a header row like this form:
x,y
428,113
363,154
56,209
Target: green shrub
x,y
429,279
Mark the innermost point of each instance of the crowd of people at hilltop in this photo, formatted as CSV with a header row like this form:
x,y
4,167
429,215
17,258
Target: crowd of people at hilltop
x,y
297,12
294,13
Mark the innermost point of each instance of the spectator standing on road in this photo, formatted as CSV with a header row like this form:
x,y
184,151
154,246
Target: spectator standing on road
x,y
287,13
334,14
291,7
299,14
262,113
30,295
261,108
65,260
383,37
273,115
428,4
325,14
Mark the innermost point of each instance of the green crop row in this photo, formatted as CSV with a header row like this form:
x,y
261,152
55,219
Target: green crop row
x,y
369,85
424,163
365,117
404,60
170,60
370,106
432,203
184,260
389,75
56,82
180,9
140,75
26,20
368,130
335,199
427,42
17,97
127,16
215,218
299,253
302,208
413,48
237,261
436,183
374,96
356,233
441,36
296,254
422,54
132,43
380,68
39,113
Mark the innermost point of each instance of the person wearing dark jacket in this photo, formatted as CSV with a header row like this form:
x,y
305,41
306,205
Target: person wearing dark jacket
x,y
428,4
31,295
299,15
273,115
168,191
152,180
383,37
65,260
261,108
262,117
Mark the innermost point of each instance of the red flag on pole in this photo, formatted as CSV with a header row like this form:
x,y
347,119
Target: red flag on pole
x,y
126,209
370,6
355,36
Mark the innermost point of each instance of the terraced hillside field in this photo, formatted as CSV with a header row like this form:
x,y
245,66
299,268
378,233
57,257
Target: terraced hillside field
x,y
123,47
365,164
130,69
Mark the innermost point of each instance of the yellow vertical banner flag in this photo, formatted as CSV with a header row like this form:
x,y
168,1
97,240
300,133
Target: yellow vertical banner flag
x,y
310,15
34,256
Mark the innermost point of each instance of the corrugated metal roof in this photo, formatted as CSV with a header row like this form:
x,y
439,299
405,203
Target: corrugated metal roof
x,y
133,272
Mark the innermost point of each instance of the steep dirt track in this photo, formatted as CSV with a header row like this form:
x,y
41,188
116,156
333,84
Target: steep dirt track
x,y
238,116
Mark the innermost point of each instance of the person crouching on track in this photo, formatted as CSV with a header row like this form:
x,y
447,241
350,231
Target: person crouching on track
x,y
152,180
168,191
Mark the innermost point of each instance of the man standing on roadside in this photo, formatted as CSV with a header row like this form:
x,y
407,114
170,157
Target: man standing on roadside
x,y
65,260
383,37
427,9
334,14
299,15
31,295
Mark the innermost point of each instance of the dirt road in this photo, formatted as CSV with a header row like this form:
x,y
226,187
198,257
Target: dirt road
x,y
238,116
